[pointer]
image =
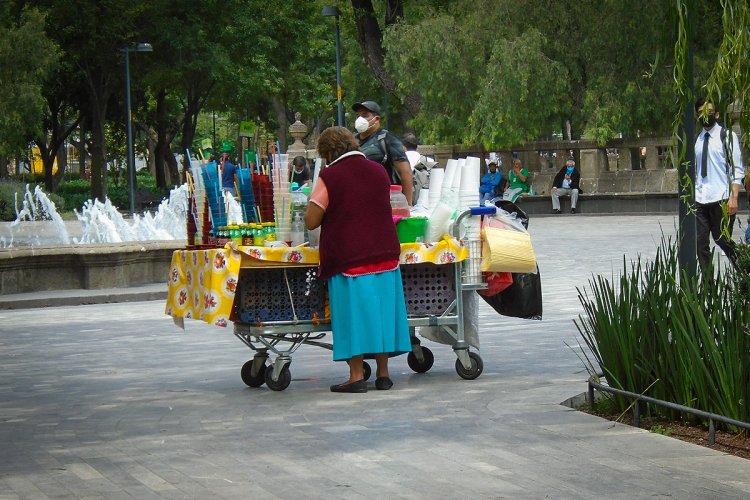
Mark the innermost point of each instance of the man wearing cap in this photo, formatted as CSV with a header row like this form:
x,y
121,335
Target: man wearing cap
x,y
382,147
566,183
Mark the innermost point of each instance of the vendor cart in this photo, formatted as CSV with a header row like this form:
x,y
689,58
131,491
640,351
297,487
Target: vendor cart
x,y
276,307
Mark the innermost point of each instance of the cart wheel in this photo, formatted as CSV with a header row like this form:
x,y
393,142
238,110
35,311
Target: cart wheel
x,y
247,377
368,370
285,379
474,371
416,365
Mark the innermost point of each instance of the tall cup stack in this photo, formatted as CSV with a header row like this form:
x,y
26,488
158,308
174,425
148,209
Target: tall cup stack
x,y
282,197
468,194
447,194
436,186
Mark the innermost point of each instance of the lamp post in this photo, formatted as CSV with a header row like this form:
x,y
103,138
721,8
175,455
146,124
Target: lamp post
x,y
335,12
141,47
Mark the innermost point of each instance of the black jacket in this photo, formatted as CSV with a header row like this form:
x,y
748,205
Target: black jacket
x,y
575,179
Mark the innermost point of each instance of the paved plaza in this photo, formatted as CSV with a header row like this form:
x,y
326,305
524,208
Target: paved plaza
x,y
114,401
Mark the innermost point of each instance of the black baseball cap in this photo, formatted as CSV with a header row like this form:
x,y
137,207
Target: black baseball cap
x,y
368,105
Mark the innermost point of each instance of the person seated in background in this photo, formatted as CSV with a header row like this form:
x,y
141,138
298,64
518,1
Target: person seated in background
x,y
518,182
489,183
566,183
300,172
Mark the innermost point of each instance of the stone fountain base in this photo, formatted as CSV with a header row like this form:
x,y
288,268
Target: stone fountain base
x,y
104,265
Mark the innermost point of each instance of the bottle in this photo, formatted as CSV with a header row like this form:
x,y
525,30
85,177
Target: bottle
x,y
399,205
257,235
298,230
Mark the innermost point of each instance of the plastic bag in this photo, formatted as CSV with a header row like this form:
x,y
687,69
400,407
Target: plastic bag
x,y
496,283
506,246
522,299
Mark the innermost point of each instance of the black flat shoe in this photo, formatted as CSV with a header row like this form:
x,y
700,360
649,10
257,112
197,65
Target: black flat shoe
x,y
358,386
383,383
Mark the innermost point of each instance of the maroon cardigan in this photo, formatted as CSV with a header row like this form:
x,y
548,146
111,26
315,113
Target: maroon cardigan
x,y
357,227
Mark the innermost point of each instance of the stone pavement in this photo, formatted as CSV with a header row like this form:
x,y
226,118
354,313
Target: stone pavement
x,y
114,401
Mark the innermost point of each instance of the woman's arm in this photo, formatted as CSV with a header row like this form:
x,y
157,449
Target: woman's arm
x,y
317,205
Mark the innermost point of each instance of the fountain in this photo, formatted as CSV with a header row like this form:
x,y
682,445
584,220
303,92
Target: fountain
x,y
100,249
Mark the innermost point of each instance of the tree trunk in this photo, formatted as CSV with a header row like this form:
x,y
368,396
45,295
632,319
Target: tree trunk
x,y
172,167
196,98
3,167
82,156
162,140
370,38
279,107
98,155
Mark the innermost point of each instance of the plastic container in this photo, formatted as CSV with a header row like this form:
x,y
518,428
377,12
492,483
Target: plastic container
x,y
399,205
298,230
411,229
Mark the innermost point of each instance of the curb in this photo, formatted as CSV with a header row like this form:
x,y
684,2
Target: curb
x,y
78,298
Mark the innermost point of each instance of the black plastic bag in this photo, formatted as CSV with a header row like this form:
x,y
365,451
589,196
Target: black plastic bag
x,y
522,299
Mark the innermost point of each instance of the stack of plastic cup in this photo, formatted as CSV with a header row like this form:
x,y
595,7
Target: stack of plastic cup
x,y
199,200
282,198
468,195
247,198
436,186
468,191
447,194
459,174
215,198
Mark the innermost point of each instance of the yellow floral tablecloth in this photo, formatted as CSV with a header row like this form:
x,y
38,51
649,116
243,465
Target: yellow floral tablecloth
x,y
202,283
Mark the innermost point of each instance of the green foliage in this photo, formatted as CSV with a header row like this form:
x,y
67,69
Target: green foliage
x,y
11,195
27,57
685,341
660,429
504,71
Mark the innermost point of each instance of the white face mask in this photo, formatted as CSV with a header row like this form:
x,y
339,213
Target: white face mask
x,y
361,124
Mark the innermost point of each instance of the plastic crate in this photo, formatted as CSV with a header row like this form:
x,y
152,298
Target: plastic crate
x,y
429,289
263,294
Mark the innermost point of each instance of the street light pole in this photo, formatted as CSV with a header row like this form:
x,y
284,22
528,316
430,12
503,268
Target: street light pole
x,y
141,47
335,12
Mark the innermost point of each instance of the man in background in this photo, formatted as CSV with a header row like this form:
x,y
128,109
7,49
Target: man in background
x,y
381,146
718,177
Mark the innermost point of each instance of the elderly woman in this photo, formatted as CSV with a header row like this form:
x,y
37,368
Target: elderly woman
x,y
518,182
359,251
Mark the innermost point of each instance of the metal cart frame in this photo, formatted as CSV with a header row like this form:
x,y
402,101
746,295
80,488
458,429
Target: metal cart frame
x,y
269,337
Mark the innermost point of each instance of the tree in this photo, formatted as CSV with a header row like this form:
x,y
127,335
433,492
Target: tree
x,y
27,57
535,65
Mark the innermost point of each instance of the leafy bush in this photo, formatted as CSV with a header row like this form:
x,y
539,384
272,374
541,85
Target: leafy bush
x,y
662,333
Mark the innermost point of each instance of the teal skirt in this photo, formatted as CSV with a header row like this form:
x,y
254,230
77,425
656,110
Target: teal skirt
x,y
368,315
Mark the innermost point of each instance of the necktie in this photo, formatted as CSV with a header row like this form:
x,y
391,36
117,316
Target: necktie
x,y
704,158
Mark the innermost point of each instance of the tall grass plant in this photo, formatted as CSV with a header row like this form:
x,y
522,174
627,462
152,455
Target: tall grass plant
x,y
659,332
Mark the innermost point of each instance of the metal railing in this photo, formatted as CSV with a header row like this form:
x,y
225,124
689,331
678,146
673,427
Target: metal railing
x,y
640,399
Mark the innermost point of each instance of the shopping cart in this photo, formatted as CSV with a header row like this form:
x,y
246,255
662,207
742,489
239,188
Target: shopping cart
x,y
278,309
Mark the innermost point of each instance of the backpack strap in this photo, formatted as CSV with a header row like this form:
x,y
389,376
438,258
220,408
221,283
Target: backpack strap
x,y
381,140
395,178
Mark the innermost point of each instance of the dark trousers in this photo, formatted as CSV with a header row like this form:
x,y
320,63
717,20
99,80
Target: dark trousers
x,y
708,221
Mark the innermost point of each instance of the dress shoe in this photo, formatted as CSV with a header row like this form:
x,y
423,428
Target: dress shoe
x,y
572,210
383,383
358,386
556,211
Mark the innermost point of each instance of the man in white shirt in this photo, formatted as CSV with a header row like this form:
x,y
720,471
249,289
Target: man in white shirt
x,y
717,183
